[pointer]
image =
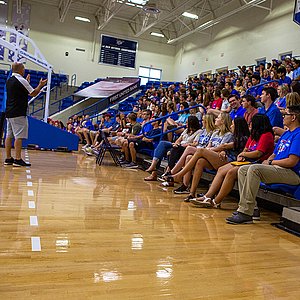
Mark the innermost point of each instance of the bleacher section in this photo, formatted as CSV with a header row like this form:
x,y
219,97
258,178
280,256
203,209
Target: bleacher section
x,y
35,76
99,96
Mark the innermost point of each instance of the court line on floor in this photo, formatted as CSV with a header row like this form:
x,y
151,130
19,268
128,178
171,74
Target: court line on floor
x,y
36,243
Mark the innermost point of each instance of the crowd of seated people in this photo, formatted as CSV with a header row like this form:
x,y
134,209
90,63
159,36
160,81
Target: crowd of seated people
x,y
240,119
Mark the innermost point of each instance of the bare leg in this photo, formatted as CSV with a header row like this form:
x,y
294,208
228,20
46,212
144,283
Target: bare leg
x,y
126,150
153,166
218,180
198,171
188,175
18,148
202,152
132,152
227,185
190,150
86,135
8,147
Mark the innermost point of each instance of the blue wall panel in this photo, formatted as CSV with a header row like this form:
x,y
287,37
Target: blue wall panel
x,y
49,137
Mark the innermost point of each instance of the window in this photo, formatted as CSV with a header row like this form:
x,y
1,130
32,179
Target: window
x,y
149,74
261,61
282,56
222,70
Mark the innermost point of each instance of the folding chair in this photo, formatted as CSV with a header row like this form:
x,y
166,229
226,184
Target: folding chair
x,y
107,146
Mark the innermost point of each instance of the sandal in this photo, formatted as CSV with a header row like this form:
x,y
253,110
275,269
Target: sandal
x,y
205,202
151,178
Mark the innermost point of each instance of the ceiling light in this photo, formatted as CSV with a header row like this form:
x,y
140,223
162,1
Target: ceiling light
x,y
3,2
157,34
131,4
139,2
82,19
189,15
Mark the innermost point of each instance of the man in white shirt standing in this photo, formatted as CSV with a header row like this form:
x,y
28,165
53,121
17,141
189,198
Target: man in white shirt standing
x,y
18,89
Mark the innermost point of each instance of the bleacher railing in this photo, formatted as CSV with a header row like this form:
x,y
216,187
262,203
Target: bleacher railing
x,y
248,91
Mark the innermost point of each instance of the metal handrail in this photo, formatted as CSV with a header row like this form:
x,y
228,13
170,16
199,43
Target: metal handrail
x,y
164,118
260,84
73,79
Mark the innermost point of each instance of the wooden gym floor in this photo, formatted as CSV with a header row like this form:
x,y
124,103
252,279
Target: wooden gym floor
x,y
74,230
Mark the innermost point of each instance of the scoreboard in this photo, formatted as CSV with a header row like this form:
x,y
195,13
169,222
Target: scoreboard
x,y
117,52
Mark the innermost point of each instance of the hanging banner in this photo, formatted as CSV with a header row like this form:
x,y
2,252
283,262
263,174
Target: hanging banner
x,y
297,12
3,19
20,23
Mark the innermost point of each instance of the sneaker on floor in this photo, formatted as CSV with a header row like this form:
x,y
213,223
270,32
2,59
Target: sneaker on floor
x,y
255,216
131,165
20,163
239,218
182,190
95,152
200,195
189,198
9,161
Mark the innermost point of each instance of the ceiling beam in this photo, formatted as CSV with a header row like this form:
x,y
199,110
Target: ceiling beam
x,y
63,8
19,6
166,16
105,13
210,23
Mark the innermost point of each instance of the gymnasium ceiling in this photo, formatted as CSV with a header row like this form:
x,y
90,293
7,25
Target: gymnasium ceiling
x,y
159,16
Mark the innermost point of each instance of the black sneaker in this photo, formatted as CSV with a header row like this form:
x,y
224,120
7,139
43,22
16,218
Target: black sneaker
x,y
189,198
200,195
9,161
239,218
131,165
182,190
20,163
255,216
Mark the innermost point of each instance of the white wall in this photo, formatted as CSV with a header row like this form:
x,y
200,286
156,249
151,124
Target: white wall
x,y
54,39
253,34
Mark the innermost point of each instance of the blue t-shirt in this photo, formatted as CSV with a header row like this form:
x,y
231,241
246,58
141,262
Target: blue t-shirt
x,y
296,73
107,124
237,113
156,139
204,139
286,80
147,128
274,115
256,91
289,144
235,92
182,118
88,124
280,102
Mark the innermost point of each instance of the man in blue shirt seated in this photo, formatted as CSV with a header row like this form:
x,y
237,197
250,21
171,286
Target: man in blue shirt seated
x,y
283,166
229,86
256,91
268,96
296,73
237,109
283,79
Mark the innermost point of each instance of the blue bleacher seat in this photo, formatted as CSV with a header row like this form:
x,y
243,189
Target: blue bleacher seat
x,y
293,190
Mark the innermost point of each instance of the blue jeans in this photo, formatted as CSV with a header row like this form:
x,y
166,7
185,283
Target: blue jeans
x,y
161,150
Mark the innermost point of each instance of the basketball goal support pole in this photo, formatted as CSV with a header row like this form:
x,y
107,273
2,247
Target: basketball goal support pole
x,y
35,57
